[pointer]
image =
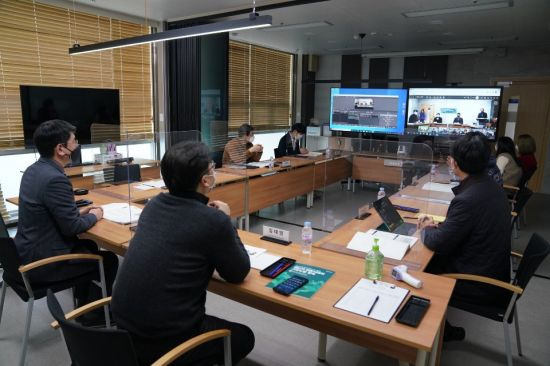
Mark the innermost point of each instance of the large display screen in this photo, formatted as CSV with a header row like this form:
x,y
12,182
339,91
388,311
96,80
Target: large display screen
x,y
453,111
94,112
368,110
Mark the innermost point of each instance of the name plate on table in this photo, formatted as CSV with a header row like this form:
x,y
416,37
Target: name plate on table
x,y
393,162
275,235
363,212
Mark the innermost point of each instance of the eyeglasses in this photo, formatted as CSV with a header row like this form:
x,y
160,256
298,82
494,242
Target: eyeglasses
x,y
211,167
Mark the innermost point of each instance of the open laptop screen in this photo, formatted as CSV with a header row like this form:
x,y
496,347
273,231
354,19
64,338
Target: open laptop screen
x,y
388,213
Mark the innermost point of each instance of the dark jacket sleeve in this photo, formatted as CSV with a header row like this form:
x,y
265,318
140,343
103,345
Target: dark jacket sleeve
x,y
59,199
282,145
448,236
229,255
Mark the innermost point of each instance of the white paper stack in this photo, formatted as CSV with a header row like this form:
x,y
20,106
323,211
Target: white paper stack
x,y
393,246
259,257
438,187
157,183
121,213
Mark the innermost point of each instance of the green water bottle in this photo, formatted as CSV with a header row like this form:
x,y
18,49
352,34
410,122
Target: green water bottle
x,y
374,262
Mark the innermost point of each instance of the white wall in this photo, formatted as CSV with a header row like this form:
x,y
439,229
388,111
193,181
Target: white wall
x,y
269,141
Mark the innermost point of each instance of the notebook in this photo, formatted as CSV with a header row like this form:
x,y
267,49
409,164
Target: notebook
x,y
393,246
121,213
361,298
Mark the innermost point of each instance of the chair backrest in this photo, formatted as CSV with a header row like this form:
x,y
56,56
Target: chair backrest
x,y
127,173
9,258
3,228
278,153
537,249
522,197
89,346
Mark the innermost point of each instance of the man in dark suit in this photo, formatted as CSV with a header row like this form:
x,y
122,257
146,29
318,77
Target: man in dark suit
x,y
413,118
166,306
438,118
475,236
49,220
482,117
458,119
289,144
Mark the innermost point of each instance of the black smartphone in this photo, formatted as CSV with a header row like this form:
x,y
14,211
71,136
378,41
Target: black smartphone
x,y
278,267
82,203
413,311
290,285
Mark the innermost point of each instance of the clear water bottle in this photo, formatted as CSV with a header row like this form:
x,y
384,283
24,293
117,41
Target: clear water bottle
x,y
271,163
307,237
381,193
374,262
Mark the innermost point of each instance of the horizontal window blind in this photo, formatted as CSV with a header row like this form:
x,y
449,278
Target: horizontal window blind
x,y
34,44
260,87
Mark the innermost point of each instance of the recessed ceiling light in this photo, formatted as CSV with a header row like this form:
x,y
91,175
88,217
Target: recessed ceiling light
x,y
436,22
460,9
354,48
456,51
480,40
280,28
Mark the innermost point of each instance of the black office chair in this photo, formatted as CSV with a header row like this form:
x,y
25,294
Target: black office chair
x,y
278,153
506,312
90,346
3,229
127,173
16,277
518,205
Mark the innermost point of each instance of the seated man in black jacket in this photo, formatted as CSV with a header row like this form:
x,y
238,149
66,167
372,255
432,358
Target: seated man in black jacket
x,y
49,220
475,236
181,238
290,143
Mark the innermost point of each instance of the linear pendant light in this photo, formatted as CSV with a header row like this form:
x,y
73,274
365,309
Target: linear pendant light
x,y
200,30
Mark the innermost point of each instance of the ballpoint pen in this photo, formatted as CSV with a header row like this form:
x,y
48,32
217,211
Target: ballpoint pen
x,y
374,303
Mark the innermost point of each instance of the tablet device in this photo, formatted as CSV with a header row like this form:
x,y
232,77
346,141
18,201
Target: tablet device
x,y
413,311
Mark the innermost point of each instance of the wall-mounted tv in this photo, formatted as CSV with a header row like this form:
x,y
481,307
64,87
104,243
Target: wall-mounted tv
x,y
94,112
368,110
453,111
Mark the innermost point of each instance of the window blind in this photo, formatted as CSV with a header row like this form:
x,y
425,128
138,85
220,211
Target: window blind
x,y
260,87
34,51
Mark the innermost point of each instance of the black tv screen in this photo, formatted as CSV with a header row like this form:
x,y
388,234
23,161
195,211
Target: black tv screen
x,y
94,112
454,111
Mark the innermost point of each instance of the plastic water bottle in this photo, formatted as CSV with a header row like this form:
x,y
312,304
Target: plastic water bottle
x,y
374,262
307,237
381,193
271,163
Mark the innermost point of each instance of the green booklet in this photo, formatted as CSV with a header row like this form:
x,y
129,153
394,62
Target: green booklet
x,y
316,276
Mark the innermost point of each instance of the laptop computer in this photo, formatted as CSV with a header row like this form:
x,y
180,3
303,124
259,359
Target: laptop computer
x,y
393,222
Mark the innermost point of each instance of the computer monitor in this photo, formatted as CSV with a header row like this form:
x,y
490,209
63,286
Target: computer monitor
x,y
368,110
453,111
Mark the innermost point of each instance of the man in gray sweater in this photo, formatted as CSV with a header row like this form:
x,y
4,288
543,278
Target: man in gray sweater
x,y
181,238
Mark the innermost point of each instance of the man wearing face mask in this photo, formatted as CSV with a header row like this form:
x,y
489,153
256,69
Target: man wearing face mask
x,y
49,220
185,238
475,236
241,149
290,143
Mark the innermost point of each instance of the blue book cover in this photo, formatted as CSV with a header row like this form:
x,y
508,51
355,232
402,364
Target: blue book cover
x,y
316,276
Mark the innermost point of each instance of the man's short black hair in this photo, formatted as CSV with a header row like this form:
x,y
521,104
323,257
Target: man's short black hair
x,y
471,153
183,166
299,127
245,129
50,134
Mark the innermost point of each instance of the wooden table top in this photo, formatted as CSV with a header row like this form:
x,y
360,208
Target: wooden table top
x,y
80,170
251,173
348,270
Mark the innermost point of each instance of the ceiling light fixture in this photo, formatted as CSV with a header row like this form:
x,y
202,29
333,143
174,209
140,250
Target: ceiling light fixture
x,y
456,51
460,9
480,40
280,28
252,22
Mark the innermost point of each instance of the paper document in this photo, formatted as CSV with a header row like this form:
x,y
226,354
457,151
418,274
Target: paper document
x,y
311,154
259,258
143,187
393,246
157,183
438,187
121,213
436,218
362,296
259,164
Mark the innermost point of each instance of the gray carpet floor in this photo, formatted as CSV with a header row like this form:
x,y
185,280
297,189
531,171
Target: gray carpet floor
x,y
279,342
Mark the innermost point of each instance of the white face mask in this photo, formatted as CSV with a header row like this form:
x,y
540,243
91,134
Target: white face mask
x,y
251,139
213,184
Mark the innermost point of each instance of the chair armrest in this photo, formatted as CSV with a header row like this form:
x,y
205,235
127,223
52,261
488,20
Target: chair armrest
x,y
83,310
58,258
490,281
512,188
516,254
188,345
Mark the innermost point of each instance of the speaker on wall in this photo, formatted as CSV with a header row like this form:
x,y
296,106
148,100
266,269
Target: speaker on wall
x,y
312,63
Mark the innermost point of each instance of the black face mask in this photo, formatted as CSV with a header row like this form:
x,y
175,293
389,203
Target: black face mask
x,y
72,151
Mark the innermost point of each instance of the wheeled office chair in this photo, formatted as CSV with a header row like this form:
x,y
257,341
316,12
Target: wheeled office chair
x,y
278,153
16,277
89,346
127,173
505,313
